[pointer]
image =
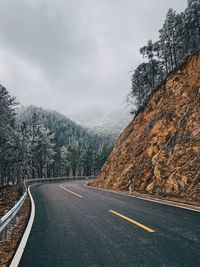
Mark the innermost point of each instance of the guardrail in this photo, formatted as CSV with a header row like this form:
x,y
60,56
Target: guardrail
x,y
53,179
11,214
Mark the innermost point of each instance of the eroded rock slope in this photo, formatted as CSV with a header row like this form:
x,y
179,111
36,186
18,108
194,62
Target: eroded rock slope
x,y
160,148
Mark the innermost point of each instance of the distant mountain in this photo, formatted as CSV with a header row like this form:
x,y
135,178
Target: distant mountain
x,y
97,121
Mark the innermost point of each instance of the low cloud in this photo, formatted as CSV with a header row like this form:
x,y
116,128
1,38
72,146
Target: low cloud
x,y
75,54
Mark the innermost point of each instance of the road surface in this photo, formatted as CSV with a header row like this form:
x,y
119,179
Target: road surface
x,y
80,226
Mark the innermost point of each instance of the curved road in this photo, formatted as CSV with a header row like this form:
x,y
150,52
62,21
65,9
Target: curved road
x,y
80,226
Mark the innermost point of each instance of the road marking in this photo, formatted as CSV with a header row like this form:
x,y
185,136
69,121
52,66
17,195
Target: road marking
x,y
159,201
133,221
17,257
70,191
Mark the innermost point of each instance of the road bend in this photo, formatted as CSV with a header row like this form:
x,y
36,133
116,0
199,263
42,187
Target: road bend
x,y
79,226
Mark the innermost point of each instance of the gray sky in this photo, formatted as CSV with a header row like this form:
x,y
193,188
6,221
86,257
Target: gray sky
x,y
73,55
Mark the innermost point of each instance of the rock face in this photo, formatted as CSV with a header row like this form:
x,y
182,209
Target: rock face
x,y
160,148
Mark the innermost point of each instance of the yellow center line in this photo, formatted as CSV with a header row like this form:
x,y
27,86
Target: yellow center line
x,y
70,191
133,221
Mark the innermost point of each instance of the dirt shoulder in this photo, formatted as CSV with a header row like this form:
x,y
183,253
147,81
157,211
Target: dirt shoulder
x,y
15,229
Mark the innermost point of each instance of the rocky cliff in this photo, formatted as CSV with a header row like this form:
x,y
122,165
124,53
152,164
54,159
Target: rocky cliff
x,y
160,148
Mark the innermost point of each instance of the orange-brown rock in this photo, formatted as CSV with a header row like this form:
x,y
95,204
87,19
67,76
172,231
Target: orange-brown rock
x,y
160,148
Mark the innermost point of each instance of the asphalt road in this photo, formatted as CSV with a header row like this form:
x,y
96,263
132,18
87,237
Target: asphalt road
x,y
99,228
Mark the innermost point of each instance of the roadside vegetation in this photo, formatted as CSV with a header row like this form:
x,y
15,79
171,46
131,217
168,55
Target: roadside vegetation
x,y
37,143
179,38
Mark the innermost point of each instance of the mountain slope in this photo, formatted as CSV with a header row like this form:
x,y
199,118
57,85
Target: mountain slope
x,y
66,130
77,150
160,148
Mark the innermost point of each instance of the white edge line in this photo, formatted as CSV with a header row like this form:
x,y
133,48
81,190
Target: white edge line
x,y
75,194
164,202
16,259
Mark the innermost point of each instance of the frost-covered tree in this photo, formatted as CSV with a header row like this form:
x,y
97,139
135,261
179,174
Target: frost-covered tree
x,y
8,136
39,148
24,148
65,164
144,79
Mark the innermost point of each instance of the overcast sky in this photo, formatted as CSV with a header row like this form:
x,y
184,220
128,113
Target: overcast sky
x,y
73,55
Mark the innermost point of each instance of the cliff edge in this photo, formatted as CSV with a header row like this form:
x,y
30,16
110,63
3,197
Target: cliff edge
x,y
160,148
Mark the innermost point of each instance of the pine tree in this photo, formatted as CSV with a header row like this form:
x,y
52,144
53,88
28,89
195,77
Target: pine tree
x,y
179,37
